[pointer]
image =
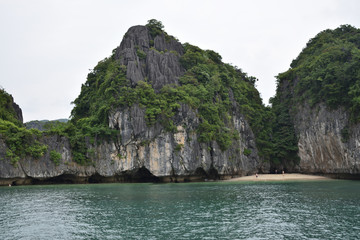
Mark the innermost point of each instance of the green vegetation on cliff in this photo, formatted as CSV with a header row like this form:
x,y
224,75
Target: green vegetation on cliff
x,y
20,141
326,71
284,139
7,111
208,86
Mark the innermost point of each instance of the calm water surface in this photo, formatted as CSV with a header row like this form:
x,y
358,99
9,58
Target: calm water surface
x,y
219,210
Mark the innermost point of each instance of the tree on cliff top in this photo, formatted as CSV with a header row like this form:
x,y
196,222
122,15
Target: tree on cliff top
x,y
155,27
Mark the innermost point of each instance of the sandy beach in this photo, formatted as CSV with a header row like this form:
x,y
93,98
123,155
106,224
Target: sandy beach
x,y
279,177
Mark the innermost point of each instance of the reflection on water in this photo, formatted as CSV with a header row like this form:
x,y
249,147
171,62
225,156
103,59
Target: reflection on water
x,y
226,210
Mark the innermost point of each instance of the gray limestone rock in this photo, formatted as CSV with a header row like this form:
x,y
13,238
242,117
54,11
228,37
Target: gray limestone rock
x,y
160,66
322,148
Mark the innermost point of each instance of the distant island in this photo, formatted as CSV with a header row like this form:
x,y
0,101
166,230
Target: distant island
x,y
43,125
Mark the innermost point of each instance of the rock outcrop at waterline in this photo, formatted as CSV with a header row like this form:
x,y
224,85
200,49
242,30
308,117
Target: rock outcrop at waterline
x,y
143,152
141,147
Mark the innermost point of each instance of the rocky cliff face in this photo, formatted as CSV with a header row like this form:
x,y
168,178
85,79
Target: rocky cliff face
x,y
318,97
166,156
143,152
180,153
322,147
29,170
327,141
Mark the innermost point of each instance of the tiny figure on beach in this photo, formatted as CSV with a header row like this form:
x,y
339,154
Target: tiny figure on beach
x,y
256,175
275,171
283,172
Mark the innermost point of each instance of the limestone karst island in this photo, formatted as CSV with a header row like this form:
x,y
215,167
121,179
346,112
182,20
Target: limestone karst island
x,y
158,110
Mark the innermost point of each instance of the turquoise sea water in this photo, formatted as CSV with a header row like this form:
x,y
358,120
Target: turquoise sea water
x,y
217,210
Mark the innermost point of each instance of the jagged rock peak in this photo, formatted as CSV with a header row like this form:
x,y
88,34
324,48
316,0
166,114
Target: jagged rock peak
x,y
141,37
135,36
149,56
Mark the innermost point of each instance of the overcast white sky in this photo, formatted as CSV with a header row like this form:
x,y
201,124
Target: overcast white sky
x,y
48,46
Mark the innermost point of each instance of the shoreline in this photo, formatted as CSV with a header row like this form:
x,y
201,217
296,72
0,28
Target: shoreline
x,y
278,177
179,179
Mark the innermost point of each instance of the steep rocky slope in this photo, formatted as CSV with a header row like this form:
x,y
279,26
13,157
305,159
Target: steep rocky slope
x,y
317,102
